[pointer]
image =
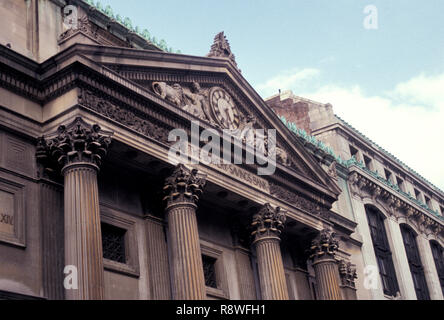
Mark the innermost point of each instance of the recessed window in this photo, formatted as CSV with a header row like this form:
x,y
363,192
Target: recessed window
x,y
209,266
388,175
113,243
416,268
354,152
400,183
368,162
428,202
382,251
438,256
442,211
418,195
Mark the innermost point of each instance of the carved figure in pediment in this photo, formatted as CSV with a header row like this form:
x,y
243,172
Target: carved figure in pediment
x,y
245,131
173,93
197,102
282,156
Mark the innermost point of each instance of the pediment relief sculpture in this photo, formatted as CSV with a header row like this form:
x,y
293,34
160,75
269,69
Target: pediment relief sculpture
x,y
216,106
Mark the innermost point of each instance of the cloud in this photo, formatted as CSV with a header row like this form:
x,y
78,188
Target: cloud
x,y
294,79
426,90
407,121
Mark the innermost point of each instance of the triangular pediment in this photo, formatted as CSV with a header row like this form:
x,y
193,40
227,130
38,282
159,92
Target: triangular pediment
x,y
213,91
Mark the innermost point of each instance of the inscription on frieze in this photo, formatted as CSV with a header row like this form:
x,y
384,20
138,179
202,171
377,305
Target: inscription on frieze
x,y
243,175
6,213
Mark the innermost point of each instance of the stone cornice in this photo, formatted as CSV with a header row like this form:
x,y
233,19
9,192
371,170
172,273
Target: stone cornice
x,y
365,186
342,223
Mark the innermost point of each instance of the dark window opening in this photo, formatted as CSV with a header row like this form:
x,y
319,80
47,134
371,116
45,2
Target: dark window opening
x,y
417,195
113,243
354,152
368,162
388,175
400,183
438,257
416,269
209,266
428,202
442,211
382,251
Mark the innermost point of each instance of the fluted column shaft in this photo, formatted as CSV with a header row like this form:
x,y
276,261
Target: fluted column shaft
x,y
271,269
267,226
188,277
182,190
327,279
77,151
323,251
83,241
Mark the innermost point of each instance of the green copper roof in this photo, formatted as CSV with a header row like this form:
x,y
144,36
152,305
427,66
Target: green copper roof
x,y
126,22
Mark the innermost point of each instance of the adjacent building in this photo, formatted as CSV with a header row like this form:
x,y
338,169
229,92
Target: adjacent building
x,y
399,214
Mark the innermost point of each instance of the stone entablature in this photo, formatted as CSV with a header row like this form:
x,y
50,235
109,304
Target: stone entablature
x,y
363,185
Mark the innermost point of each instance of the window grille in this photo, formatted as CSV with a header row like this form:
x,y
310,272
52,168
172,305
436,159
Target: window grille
x,y
209,266
113,243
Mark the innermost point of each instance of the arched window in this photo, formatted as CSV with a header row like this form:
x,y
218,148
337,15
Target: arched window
x,y
411,249
438,256
382,251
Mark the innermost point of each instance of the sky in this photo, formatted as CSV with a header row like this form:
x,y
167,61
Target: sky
x,y
382,68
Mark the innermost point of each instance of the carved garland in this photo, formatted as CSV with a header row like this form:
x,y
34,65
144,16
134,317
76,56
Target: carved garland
x,y
362,186
299,201
123,116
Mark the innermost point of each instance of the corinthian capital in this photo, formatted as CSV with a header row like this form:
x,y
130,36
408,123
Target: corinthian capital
x,y
268,222
184,185
74,143
324,245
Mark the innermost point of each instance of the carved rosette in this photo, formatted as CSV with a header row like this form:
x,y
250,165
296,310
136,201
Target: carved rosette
x,y
184,185
75,143
268,223
348,274
324,245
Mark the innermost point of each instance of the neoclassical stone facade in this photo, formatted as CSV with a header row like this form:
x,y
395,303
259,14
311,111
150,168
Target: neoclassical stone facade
x,y
94,206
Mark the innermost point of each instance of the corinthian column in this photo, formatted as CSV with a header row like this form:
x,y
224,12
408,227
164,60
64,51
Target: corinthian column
x,y
183,189
77,151
268,224
323,250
